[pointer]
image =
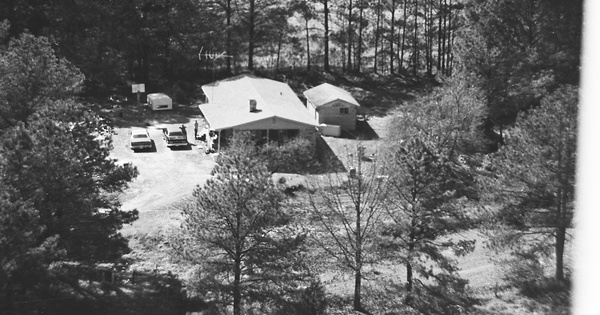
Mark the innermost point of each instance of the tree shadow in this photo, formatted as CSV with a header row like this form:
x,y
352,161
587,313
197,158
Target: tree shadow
x,y
377,94
139,115
97,290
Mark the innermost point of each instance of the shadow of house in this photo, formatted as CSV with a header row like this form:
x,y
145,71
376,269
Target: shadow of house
x,y
328,159
363,131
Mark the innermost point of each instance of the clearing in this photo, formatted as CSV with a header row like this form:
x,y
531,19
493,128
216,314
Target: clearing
x,y
168,177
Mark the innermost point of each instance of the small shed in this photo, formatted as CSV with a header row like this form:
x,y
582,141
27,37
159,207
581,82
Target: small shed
x,y
331,105
159,101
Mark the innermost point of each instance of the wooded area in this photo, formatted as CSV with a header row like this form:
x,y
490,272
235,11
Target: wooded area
x,y
488,142
153,41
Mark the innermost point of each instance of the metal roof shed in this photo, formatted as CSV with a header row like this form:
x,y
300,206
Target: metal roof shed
x,y
329,104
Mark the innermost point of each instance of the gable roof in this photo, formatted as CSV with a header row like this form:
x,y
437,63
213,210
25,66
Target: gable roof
x,y
326,93
228,102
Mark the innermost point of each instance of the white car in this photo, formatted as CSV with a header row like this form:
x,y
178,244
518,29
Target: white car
x,y
140,139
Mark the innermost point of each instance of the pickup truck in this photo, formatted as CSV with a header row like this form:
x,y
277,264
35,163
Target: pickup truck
x,y
174,137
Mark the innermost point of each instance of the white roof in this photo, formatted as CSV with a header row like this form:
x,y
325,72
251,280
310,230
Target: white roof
x,y
138,131
157,96
326,93
228,102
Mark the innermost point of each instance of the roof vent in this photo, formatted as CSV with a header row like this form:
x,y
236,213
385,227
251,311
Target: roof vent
x,y
252,105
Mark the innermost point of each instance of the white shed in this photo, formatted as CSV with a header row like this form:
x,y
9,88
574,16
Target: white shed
x,y
331,105
159,101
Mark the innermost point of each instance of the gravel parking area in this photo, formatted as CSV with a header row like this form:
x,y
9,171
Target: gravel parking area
x,y
167,176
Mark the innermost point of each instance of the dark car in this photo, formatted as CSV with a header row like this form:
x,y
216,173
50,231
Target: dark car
x,y
174,137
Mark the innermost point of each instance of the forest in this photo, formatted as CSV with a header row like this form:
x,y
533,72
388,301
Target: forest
x,y
487,142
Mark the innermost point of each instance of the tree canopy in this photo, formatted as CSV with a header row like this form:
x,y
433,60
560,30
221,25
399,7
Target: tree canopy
x,y
239,230
31,77
348,211
58,182
533,179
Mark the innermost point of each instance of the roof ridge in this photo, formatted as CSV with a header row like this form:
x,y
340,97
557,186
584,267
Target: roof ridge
x,y
258,92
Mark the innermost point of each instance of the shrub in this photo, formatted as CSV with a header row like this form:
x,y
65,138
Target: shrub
x,y
293,156
310,301
448,296
526,273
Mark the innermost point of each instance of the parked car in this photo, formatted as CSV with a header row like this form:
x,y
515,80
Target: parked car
x,y
140,139
174,137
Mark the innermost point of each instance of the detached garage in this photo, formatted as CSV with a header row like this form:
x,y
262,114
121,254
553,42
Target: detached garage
x,y
329,104
159,101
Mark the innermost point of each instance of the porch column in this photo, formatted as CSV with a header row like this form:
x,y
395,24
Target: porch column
x,y
219,142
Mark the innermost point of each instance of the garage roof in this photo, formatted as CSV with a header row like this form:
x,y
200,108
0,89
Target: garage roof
x,y
326,93
228,102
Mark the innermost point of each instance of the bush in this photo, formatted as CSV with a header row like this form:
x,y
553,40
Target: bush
x,y
526,273
293,156
448,296
310,301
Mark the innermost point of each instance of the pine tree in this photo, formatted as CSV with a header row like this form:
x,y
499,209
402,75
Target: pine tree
x,y
425,205
240,233
431,184
58,182
348,213
67,177
532,178
31,76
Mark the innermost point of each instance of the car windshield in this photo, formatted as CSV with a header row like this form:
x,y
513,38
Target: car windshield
x,y
175,133
140,136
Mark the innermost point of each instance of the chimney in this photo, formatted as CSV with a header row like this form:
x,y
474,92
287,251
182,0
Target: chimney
x,y
252,105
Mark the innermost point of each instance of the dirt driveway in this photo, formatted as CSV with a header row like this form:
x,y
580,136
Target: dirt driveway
x,y
167,177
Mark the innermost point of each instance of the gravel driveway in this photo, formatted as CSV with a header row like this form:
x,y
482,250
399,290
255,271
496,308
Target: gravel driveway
x,y
167,177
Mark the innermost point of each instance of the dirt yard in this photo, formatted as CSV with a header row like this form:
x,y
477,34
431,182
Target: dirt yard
x,y
167,177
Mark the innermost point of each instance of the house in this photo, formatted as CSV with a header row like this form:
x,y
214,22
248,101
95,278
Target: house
x,y
329,104
266,107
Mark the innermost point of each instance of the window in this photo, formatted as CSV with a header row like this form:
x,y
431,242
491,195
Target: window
x,y
344,110
292,133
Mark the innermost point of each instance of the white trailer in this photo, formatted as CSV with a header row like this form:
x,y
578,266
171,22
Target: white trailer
x,y
159,101
330,130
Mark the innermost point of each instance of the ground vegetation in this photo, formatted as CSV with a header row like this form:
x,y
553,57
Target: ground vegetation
x,y
484,95
239,234
532,178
